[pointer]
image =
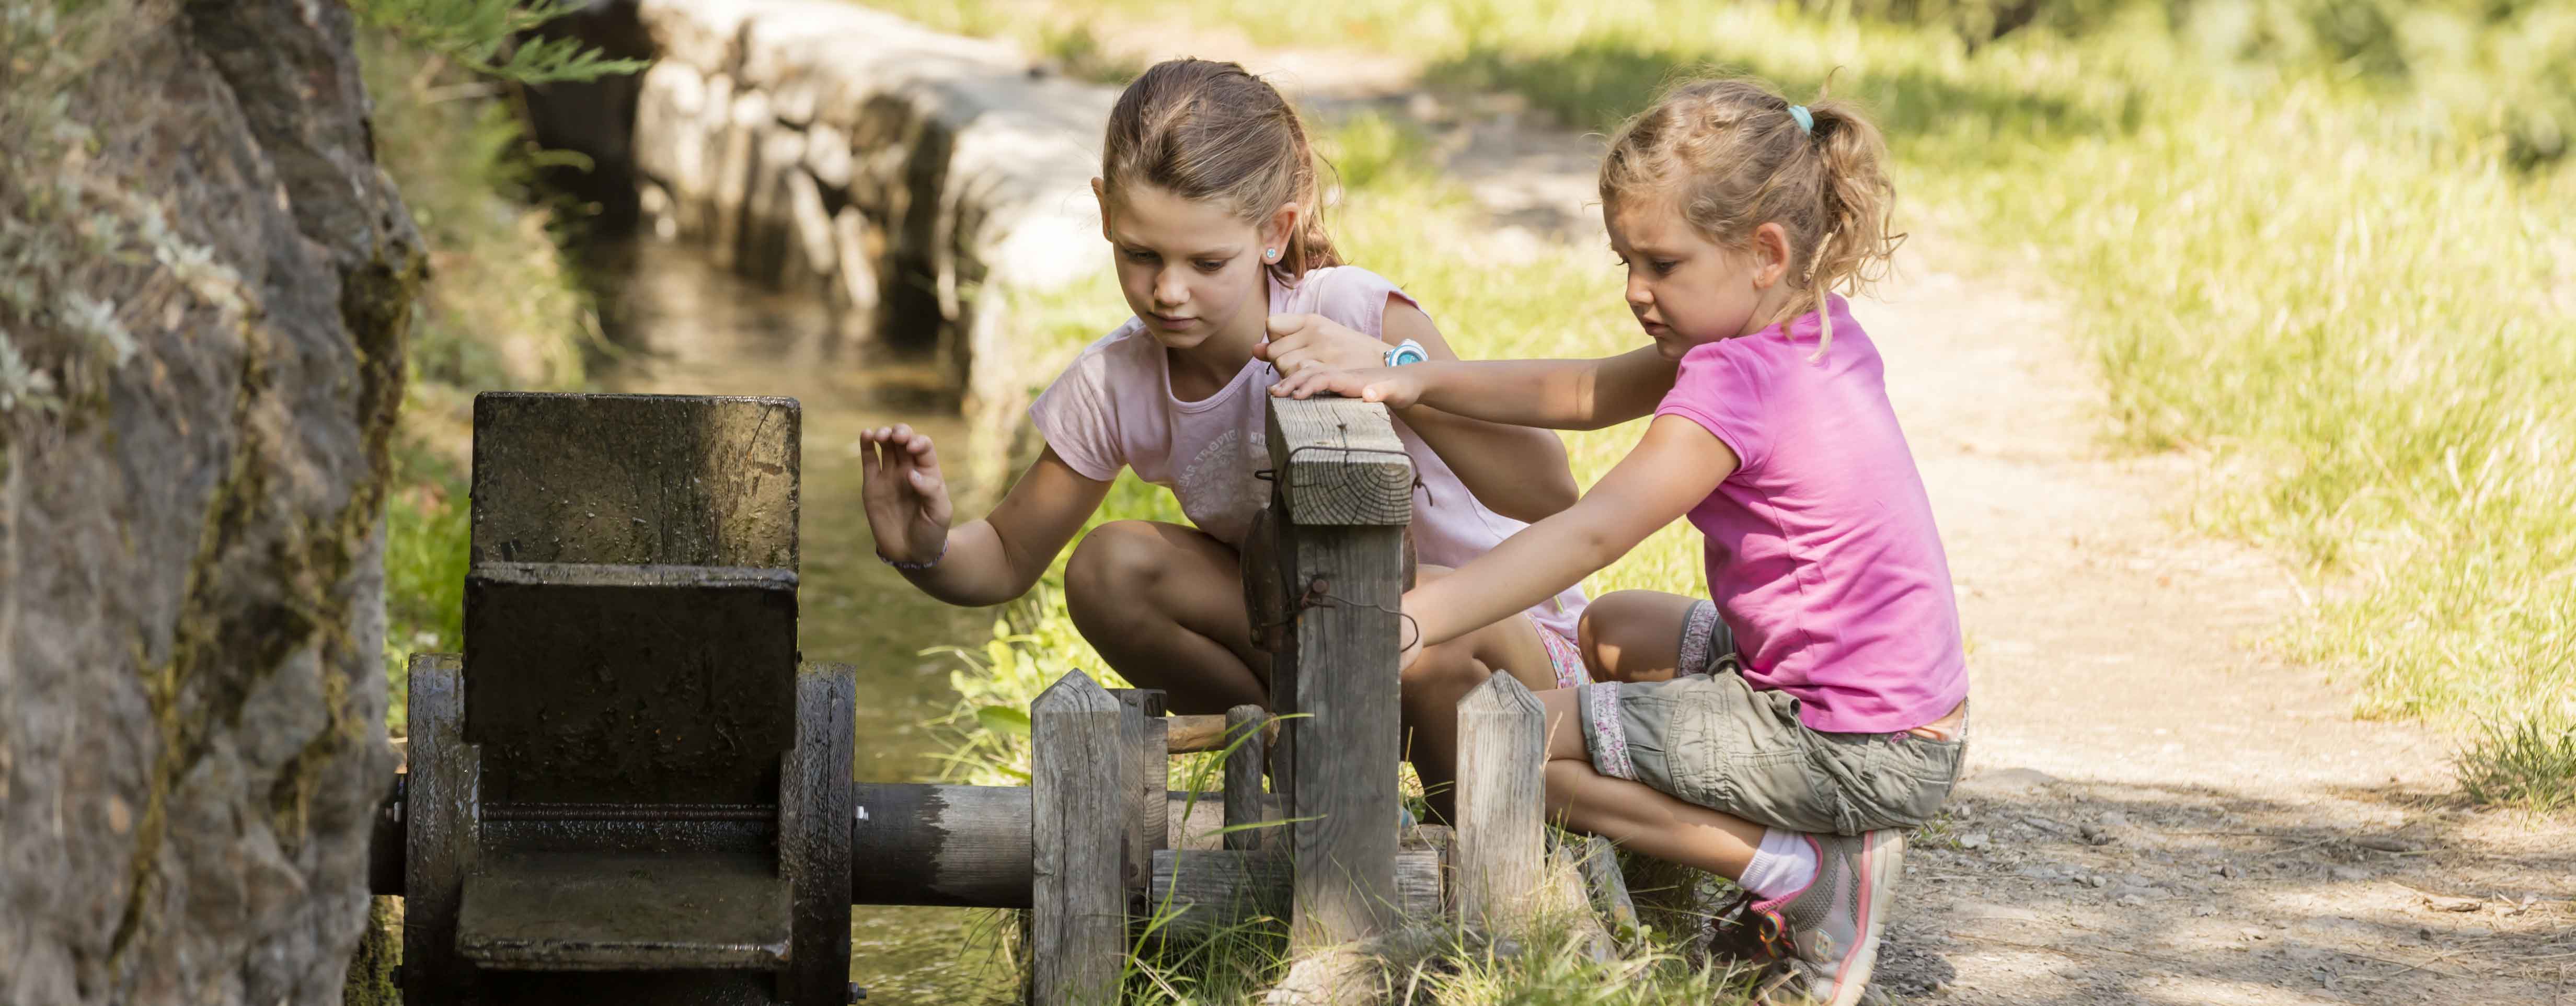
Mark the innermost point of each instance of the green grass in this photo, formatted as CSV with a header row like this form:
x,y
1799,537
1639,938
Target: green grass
x,y
2329,246
2527,764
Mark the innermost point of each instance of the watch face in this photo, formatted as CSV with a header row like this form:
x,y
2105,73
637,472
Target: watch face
x,y
1409,352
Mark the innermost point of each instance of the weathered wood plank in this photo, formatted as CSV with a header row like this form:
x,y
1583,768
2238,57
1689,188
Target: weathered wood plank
x,y
1344,804
1345,489
1245,803
1501,800
632,479
1078,929
1340,463
1206,890
1145,770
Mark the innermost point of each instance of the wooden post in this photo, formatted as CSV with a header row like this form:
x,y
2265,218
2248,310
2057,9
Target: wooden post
x,y
1244,801
1344,495
1147,770
1078,931
1501,797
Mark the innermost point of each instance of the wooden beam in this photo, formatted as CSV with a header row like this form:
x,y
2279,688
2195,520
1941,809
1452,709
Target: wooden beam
x,y
1147,773
1245,803
1207,890
1339,463
1077,767
1501,798
814,833
969,846
1345,490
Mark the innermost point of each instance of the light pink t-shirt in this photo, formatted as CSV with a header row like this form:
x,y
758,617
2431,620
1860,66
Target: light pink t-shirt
x,y
1113,408
1821,551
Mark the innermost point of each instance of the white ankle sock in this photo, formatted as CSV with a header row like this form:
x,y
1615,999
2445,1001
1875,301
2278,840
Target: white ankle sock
x,y
1784,864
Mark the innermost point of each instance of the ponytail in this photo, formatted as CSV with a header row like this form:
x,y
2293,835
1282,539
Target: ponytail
x,y
1735,155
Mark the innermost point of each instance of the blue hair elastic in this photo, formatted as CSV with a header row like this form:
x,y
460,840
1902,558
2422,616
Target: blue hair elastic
x,y
1806,122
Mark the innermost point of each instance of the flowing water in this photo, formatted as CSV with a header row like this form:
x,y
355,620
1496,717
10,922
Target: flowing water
x,y
682,325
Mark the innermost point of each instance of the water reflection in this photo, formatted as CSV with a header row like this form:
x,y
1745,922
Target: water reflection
x,y
683,326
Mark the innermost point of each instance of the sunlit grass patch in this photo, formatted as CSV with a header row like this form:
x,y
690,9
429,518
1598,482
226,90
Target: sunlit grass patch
x,y
2531,764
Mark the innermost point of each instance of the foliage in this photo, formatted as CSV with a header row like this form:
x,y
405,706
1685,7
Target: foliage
x,y
492,37
504,308
426,538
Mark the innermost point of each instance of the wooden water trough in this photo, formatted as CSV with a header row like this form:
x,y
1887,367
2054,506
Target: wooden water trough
x,y
630,786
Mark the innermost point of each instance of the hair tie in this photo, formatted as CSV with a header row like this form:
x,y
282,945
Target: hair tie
x,y
1806,122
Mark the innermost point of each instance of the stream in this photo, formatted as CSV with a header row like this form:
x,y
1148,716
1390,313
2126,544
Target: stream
x,y
680,324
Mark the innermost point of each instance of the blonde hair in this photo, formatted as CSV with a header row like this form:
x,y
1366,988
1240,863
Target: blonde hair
x,y
1732,156
1205,130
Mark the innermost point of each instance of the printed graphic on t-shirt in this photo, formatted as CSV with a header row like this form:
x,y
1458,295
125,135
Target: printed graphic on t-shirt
x,y
1218,489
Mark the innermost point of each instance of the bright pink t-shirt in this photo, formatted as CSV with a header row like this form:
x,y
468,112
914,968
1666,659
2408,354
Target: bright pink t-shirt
x,y
1821,551
1113,408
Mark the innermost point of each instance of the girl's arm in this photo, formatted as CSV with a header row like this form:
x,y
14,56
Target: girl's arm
x,y
1521,472
1556,394
1677,465
986,562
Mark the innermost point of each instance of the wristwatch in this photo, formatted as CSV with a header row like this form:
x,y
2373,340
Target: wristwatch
x,y
1405,352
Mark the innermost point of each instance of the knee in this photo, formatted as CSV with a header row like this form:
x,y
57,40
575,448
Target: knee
x,y
1443,673
1116,563
1618,632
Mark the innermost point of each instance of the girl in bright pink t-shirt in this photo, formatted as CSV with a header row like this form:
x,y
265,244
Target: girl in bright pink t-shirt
x,y
1784,731
1207,199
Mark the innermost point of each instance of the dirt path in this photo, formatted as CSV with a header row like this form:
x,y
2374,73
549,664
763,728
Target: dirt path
x,y
2156,810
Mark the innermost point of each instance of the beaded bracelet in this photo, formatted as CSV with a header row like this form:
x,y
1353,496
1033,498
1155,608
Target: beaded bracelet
x,y
915,567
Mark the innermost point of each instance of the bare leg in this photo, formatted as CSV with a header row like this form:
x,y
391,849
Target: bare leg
x,y
1632,813
1164,604
1633,635
1443,675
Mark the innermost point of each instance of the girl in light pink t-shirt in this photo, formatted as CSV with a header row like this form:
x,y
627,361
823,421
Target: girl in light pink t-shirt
x,y
1207,195
1786,730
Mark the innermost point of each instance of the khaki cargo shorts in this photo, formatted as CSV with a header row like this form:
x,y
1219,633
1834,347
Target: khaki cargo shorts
x,y
1711,738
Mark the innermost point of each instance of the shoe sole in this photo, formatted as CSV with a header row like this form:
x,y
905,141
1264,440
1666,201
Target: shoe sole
x,y
1882,861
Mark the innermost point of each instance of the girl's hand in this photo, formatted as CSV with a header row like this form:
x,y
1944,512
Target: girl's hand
x,y
1303,342
1397,387
907,501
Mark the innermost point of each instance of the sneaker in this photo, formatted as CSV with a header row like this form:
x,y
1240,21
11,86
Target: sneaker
x,y
1827,934
1732,934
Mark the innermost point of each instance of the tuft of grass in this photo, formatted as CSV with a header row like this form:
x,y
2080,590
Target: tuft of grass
x,y
2530,764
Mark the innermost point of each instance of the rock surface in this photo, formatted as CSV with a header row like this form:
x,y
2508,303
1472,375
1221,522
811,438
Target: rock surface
x,y
191,610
